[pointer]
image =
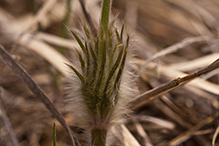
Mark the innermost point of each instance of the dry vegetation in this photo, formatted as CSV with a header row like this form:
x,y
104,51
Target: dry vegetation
x,y
172,38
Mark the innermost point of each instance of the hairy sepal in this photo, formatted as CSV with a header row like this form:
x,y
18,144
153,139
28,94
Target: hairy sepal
x,y
105,89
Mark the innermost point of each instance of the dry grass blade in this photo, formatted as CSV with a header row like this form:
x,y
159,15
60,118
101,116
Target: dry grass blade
x,y
142,133
186,135
215,136
171,113
38,92
195,64
170,74
144,98
178,116
173,48
8,124
52,39
46,51
157,121
129,140
175,113
211,74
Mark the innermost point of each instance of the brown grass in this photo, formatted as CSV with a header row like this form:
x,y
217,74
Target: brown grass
x,y
172,38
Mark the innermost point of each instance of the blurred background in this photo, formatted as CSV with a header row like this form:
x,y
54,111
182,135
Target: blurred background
x,y
170,38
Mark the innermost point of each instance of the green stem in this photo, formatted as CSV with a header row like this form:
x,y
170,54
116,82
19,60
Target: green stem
x,y
106,6
54,135
98,137
103,31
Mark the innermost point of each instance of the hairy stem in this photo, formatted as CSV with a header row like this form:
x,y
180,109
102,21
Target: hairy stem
x,y
98,137
106,6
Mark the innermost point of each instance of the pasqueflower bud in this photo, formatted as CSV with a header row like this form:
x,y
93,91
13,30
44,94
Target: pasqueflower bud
x,y
100,84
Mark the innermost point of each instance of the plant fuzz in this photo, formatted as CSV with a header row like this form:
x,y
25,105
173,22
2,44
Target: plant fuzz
x,y
99,87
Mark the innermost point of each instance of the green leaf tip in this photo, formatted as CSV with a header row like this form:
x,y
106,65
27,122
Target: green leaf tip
x,y
81,60
78,40
77,73
121,34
